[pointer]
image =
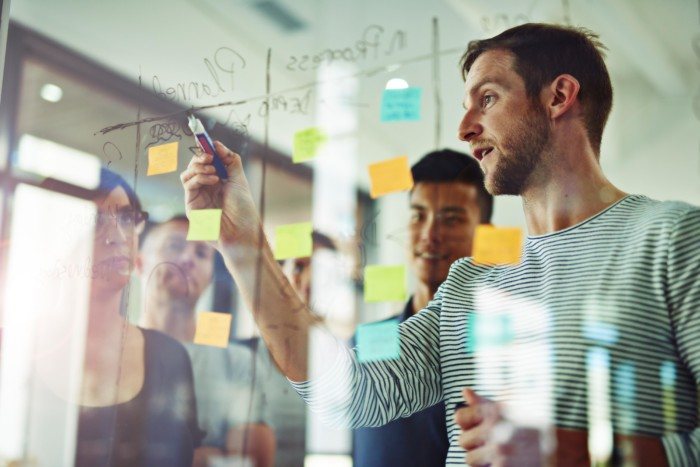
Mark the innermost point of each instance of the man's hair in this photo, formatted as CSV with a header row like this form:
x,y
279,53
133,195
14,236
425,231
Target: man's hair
x,y
153,226
543,52
448,166
321,240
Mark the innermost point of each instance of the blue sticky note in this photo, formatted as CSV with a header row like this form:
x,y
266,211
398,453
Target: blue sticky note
x,y
488,331
401,105
378,341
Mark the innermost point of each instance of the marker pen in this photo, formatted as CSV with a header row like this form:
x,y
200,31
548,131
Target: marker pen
x,y
206,144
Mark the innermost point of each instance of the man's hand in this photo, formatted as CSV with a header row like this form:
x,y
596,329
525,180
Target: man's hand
x,y
489,439
204,190
477,421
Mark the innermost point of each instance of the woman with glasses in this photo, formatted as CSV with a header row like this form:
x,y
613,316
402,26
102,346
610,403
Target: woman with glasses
x,y
136,404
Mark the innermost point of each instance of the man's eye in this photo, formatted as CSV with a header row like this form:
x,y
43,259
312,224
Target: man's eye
x,y
487,100
416,217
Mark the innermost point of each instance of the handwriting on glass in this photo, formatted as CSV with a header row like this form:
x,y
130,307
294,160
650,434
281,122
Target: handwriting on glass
x,y
222,69
372,43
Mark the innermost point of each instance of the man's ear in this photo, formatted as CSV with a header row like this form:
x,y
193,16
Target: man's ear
x,y
562,95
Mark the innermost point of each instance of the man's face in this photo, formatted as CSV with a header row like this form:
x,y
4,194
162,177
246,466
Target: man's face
x,y
443,219
508,132
182,268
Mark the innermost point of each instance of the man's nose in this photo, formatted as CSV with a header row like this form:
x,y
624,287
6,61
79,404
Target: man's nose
x,y
431,230
469,127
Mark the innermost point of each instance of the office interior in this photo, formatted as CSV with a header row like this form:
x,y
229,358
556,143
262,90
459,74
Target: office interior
x,y
96,84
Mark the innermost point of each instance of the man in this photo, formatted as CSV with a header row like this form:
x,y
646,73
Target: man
x,y
174,273
537,98
286,410
447,202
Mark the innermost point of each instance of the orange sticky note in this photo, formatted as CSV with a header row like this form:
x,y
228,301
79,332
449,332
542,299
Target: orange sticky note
x,y
162,159
390,176
497,245
213,329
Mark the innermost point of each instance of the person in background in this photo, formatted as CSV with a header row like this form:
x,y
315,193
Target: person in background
x,y
286,410
174,273
137,405
447,203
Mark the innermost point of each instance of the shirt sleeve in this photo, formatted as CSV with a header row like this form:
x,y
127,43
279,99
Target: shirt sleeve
x,y
353,394
683,294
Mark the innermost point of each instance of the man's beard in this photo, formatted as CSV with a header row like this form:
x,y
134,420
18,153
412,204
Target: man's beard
x,y
523,148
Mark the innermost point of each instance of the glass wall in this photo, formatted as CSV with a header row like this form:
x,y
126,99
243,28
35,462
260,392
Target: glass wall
x,y
125,338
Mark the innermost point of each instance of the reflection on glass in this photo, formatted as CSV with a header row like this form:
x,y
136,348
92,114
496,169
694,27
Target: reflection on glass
x,y
600,431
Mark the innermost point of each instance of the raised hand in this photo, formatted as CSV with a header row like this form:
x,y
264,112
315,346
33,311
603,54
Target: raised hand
x,y
240,222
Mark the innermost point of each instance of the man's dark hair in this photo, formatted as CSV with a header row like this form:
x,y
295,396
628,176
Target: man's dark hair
x,y
321,240
151,226
448,166
543,52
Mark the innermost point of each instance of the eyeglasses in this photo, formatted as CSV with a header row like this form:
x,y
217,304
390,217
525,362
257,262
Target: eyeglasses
x,y
129,220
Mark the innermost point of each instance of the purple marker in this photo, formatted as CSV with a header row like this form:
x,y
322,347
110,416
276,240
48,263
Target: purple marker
x,y
207,145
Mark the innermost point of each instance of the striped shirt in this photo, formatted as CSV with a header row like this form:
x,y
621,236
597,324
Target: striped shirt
x,y
606,310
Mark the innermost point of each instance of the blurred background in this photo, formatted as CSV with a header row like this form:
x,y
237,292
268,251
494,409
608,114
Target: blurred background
x,y
89,84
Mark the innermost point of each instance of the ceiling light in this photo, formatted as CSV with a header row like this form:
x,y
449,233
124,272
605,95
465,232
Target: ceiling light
x,y
51,92
396,83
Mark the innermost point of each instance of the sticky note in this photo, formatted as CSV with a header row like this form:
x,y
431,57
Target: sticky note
x,y
497,245
205,224
378,341
390,176
162,159
488,331
293,241
306,144
401,104
213,328
385,283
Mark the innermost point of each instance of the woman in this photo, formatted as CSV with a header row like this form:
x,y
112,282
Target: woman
x,y
136,405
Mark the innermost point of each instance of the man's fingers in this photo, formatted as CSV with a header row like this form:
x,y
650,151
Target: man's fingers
x,y
469,417
474,438
472,398
231,160
484,455
200,180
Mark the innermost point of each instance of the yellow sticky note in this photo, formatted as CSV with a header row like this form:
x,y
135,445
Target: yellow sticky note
x,y
293,241
390,176
385,284
306,144
205,224
497,245
213,329
162,159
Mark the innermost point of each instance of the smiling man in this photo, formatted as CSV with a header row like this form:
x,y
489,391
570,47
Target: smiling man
x,y
447,202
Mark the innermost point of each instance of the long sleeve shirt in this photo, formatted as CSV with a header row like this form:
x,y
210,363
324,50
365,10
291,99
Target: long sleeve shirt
x,y
612,302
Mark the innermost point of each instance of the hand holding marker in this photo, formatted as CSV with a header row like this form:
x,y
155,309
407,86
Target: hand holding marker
x,y
207,145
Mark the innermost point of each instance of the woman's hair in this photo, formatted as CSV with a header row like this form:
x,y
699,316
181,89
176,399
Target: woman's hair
x,y
108,182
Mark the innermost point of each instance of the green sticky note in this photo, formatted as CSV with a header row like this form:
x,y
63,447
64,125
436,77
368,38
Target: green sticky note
x,y
293,241
378,341
385,284
488,331
400,105
306,144
205,224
